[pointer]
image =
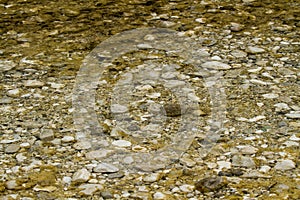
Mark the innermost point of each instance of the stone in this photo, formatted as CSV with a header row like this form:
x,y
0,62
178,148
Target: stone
x,y
13,93
159,195
236,27
89,189
187,188
67,139
6,65
105,168
210,184
12,185
293,115
224,164
12,148
172,109
270,96
247,149
81,176
46,135
174,83
265,168
84,144
254,50
285,165
152,177
118,109
238,53
97,154
243,161
50,188
106,195
216,65
121,143
33,83
281,107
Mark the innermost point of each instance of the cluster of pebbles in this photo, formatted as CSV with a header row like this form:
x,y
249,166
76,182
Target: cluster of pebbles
x,y
253,45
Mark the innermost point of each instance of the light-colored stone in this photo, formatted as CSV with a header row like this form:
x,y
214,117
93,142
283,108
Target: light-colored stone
x,y
89,189
121,143
216,65
46,134
12,148
293,115
285,165
254,50
247,149
81,176
159,196
97,154
243,161
117,109
187,188
33,83
105,168
152,177
67,139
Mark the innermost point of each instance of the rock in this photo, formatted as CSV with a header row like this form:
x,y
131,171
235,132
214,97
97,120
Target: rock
x,y
236,27
174,83
105,168
224,164
84,144
187,188
33,83
280,107
293,115
106,195
159,195
265,168
254,50
117,109
89,189
216,65
12,148
6,100
270,96
13,93
121,143
254,174
6,65
97,155
247,149
81,176
144,46
46,134
238,54
210,184
45,188
285,165
67,139
167,24
12,185
152,177
172,109
243,161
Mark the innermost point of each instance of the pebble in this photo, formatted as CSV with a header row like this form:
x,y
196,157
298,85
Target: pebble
x,y
50,188
238,54
210,184
265,168
82,145
216,65
81,176
105,168
224,164
12,148
243,161
33,83
121,143
174,83
281,107
285,165
46,135
67,139
106,195
236,27
90,189
11,184
270,96
247,149
254,50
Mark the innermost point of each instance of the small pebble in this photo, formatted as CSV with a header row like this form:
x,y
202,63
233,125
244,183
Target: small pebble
x,y
285,165
81,176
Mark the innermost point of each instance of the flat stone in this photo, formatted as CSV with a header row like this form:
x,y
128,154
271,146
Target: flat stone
x,y
46,134
224,164
121,143
45,188
254,174
82,145
89,189
243,161
81,176
12,185
13,93
254,50
33,83
293,115
236,27
216,65
117,108
187,188
105,168
210,184
67,139
174,83
152,177
247,149
159,195
285,165
12,148
270,96
238,54
6,65
97,154
6,100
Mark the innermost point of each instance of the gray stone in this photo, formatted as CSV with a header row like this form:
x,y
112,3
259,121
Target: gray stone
x,y
247,149
33,83
105,168
216,65
89,189
152,177
81,176
97,154
254,50
67,139
121,143
174,83
46,135
13,93
293,115
243,161
6,65
159,195
117,108
236,27
106,195
238,54
270,96
12,148
285,165
11,184
84,144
